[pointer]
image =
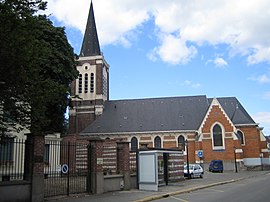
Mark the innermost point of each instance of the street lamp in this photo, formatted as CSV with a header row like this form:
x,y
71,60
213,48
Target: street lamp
x,y
235,164
261,157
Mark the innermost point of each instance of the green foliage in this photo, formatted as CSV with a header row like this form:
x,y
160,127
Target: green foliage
x,y
37,66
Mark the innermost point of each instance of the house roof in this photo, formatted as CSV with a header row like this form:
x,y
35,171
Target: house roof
x,y
90,45
161,114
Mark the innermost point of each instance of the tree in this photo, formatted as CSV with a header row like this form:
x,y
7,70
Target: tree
x,y
37,66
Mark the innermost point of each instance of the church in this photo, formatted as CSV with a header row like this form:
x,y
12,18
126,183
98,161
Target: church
x,y
205,128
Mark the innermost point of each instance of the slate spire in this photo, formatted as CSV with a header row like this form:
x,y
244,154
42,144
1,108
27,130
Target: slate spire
x,y
90,45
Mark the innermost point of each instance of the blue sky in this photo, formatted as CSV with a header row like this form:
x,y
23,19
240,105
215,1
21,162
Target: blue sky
x,y
167,48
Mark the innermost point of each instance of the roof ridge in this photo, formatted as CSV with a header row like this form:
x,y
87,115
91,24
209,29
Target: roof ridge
x,y
156,98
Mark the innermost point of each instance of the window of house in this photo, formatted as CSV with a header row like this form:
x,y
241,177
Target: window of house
x,y
92,83
46,153
134,144
86,83
217,136
157,142
80,83
181,142
241,136
6,150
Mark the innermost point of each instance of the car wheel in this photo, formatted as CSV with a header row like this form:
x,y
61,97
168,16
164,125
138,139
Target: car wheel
x,y
191,176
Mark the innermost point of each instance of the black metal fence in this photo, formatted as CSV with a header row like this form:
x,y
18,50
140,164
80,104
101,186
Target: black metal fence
x,y
11,159
66,168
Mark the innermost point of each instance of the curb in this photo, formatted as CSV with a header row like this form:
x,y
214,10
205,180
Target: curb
x,y
155,197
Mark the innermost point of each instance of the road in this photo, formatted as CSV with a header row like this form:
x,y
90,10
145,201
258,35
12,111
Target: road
x,y
252,189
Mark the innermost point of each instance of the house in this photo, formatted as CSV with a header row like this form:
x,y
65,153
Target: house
x,y
214,128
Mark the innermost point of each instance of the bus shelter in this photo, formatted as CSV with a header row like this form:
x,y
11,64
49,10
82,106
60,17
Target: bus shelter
x,y
159,167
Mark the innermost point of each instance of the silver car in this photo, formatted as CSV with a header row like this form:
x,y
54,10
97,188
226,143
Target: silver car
x,y
195,170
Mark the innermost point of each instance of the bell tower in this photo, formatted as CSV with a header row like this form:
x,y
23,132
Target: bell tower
x,y
91,89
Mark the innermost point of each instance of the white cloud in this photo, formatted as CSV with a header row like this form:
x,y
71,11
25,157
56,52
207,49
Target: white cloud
x,y
261,79
242,25
220,62
266,95
191,84
264,119
174,50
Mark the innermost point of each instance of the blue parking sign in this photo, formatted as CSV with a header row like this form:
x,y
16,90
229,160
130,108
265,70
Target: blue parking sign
x,y
200,153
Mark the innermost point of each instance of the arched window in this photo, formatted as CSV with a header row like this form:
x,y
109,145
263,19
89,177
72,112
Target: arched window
x,y
80,83
86,83
217,136
134,144
157,142
241,136
92,84
181,142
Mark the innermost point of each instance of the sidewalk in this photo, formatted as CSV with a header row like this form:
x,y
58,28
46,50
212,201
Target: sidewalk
x,y
209,180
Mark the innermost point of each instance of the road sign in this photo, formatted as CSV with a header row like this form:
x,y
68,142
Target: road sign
x,y
200,153
64,168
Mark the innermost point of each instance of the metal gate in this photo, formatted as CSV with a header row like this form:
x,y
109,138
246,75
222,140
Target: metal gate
x,y
66,168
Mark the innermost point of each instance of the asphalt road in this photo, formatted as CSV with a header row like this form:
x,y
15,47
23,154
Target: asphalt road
x,y
252,189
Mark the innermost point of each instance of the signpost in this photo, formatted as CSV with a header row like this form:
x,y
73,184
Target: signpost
x,y
200,155
64,168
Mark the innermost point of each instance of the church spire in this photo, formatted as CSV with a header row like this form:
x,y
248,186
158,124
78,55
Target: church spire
x,y
90,45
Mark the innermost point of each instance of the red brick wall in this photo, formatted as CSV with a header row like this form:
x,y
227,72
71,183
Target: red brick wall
x,y
252,147
217,115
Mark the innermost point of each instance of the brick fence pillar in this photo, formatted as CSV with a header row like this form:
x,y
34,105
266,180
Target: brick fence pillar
x,y
34,165
96,178
123,163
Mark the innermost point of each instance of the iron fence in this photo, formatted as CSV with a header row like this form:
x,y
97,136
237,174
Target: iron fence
x,y
66,170
12,152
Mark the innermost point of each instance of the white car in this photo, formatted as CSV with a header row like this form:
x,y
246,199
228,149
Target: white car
x,y
195,170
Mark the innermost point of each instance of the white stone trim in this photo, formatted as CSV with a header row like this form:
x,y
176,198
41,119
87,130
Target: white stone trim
x,y
264,150
99,61
238,151
262,137
96,57
223,136
215,102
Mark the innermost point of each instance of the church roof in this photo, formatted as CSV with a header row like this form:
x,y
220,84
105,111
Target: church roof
x,y
235,111
90,45
161,114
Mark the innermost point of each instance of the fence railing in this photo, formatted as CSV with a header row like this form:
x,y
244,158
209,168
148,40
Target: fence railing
x,y
12,152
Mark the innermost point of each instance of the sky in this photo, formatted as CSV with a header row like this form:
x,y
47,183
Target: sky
x,y
158,48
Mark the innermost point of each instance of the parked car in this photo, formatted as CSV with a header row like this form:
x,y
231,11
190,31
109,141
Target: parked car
x,y
195,170
216,166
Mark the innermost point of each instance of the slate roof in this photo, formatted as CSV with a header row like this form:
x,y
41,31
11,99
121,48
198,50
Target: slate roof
x,y
90,45
161,114
235,111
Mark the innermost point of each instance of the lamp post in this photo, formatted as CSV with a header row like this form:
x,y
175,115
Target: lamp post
x,y
261,157
235,163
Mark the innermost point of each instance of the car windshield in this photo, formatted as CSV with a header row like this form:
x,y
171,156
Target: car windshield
x,y
190,167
